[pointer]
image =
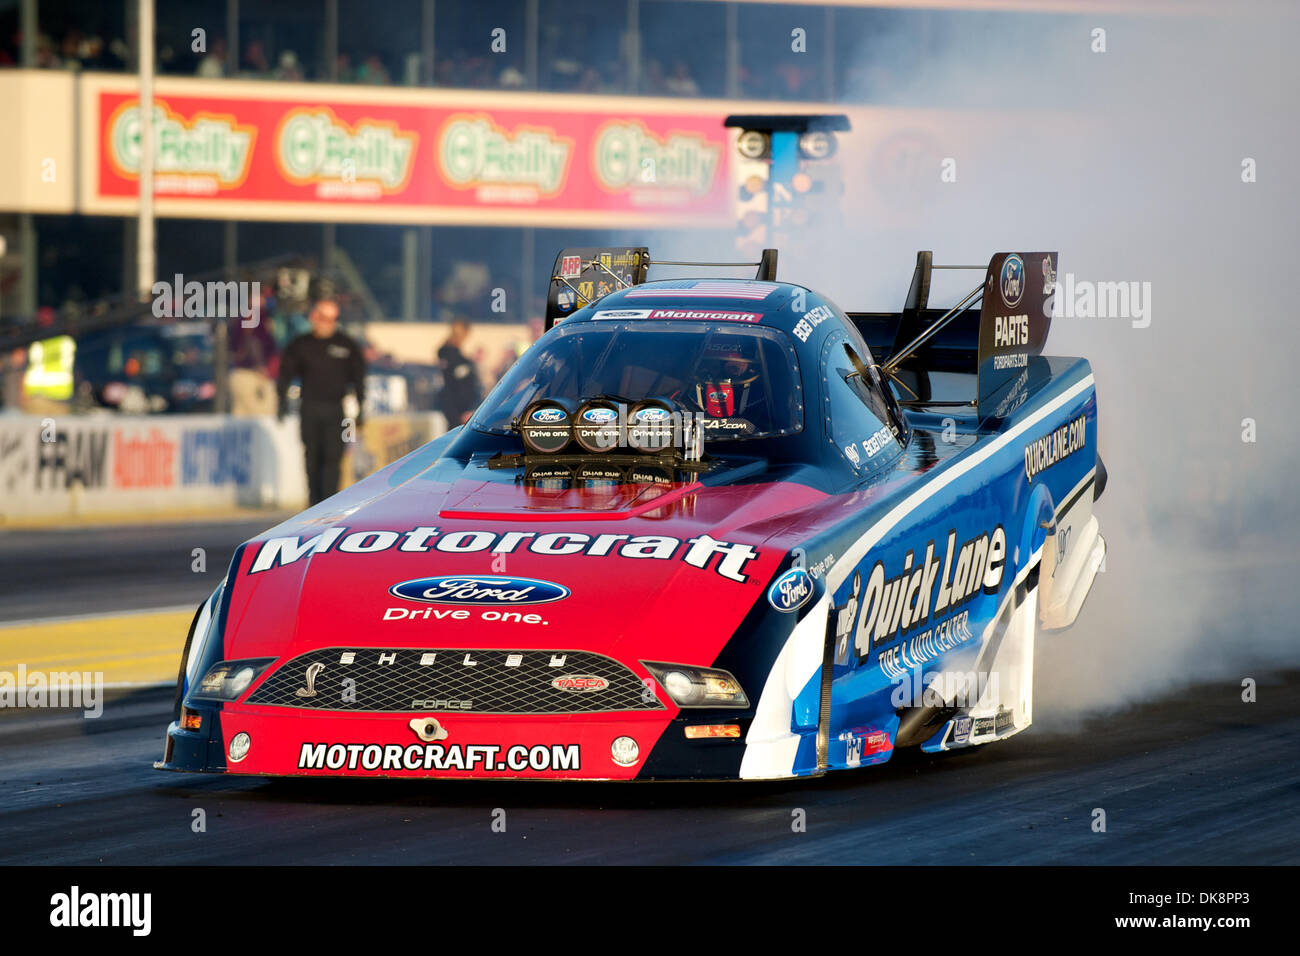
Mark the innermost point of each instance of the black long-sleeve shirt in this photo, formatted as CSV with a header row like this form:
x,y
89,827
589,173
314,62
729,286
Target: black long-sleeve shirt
x,y
461,390
327,367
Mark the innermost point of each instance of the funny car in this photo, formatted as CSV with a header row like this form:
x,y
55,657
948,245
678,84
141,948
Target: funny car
x,y
703,529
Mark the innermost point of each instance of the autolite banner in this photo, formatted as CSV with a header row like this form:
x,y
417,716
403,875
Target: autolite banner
x,y
235,149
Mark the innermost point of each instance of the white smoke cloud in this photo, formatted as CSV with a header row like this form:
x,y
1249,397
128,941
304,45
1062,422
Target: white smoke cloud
x,y
1135,176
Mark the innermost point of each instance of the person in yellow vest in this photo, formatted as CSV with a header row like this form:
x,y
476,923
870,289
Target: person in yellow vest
x,y
47,383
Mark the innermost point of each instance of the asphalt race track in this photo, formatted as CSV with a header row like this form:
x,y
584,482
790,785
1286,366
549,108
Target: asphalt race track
x,y
100,570
1194,778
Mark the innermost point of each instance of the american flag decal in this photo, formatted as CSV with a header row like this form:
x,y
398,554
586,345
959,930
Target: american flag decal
x,y
704,289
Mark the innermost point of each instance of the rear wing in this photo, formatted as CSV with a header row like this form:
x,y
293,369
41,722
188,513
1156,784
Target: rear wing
x,y
584,275
994,343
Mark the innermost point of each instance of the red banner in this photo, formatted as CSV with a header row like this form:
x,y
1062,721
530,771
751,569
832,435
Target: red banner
x,y
417,161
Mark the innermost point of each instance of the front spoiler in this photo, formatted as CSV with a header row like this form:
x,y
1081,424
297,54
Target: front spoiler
x,y
291,743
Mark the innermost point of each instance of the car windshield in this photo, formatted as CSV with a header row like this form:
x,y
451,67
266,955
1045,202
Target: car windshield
x,y
192,353
744,380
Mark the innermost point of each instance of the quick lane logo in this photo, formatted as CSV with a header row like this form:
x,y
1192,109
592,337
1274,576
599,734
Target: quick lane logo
x,y
480,590
1055,446
894,606
76,909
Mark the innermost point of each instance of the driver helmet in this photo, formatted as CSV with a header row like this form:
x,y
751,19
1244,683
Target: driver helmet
x,y
730,368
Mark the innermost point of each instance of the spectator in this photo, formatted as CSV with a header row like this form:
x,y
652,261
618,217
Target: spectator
x,y
446,72
213,64
288,68
72,49
252,366
591,81
327,362
343,69
680,82
12,367
46,58
255,61
653,79
461,390
118,56
798,82
372,71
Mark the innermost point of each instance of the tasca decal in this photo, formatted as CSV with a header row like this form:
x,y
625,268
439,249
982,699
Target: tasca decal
x,y
698,552
580,683
895,606
482,590
1055,446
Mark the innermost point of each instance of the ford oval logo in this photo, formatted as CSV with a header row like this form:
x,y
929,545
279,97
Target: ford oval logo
x,y
653,415
599,415
1012,280
548,415
791,591
483,590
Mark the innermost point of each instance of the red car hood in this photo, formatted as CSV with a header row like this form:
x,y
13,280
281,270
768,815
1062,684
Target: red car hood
x,y
662,572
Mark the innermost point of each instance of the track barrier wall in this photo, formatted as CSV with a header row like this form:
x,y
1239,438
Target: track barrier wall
x,y
71,467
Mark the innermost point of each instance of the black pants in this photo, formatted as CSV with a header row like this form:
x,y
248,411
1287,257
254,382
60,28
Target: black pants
x,y
322,438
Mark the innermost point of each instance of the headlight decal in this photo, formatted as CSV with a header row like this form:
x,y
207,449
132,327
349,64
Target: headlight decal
x,y
689,686
229,680
209,647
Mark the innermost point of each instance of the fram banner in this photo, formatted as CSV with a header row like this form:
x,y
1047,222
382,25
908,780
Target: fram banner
x,y
125,464
276,150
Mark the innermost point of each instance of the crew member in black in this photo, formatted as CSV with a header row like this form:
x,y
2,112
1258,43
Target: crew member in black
x,y
327,362
462,390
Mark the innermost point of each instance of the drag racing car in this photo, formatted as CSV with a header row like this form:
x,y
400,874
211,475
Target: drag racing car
x,y
705,528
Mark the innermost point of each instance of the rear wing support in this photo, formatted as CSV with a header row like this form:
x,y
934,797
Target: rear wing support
x,y
1014,318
